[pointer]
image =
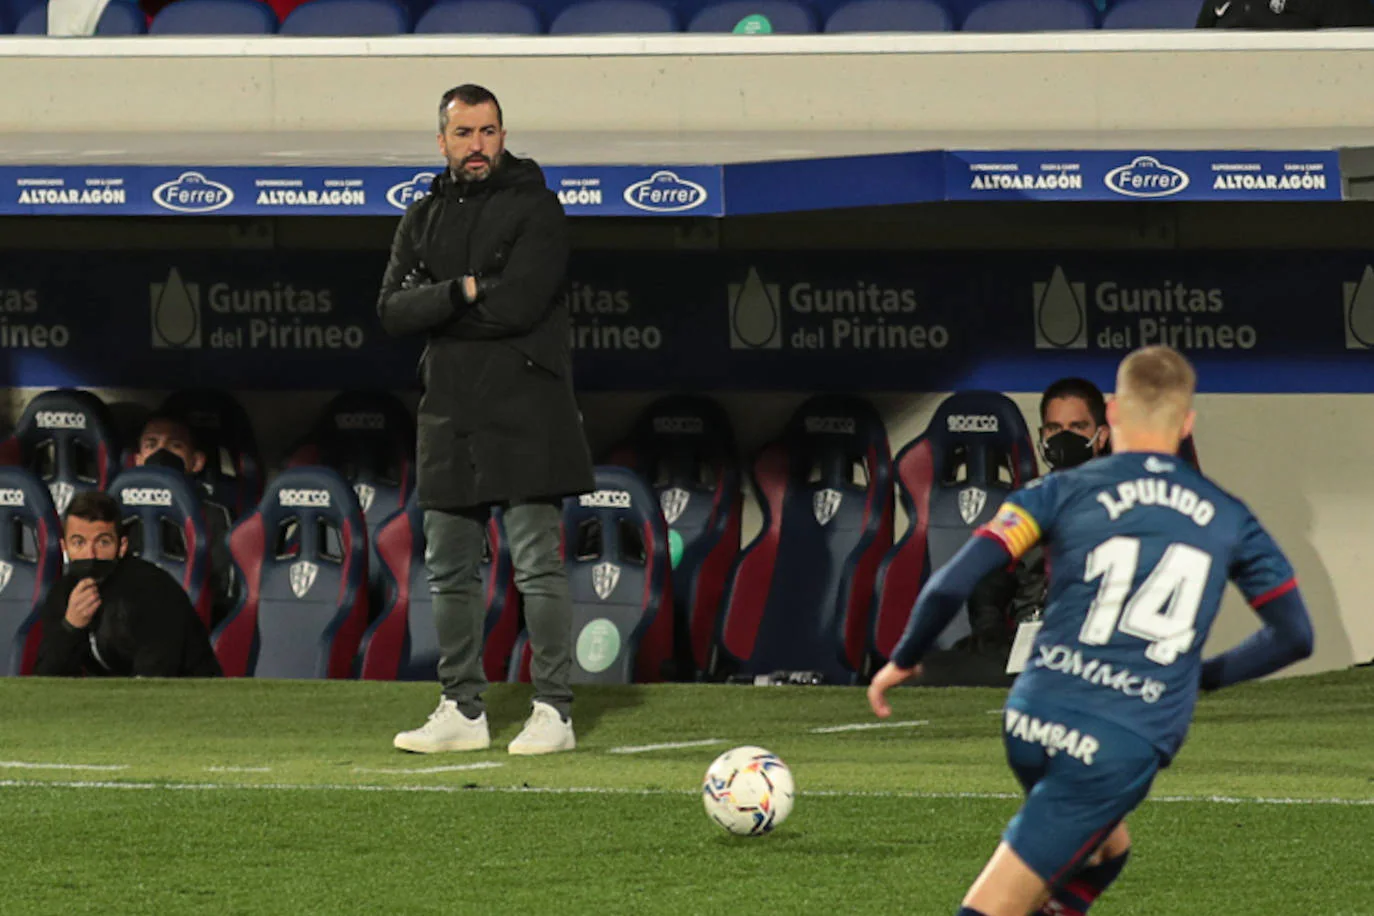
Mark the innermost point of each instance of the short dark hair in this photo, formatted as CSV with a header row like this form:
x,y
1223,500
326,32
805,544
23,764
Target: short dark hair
x,y
469,94
93,506
1079,388
165,416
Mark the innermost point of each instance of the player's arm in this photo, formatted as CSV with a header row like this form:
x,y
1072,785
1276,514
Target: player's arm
x,y
1263,574
411,301
1012,532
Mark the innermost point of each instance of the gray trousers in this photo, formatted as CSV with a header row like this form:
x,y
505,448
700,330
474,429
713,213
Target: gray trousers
x,y
453,556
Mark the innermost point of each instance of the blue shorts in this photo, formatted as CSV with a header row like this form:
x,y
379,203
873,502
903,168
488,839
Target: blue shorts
x,y
1082,776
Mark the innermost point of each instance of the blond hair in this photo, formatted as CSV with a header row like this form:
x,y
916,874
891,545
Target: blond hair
x,y
1154,388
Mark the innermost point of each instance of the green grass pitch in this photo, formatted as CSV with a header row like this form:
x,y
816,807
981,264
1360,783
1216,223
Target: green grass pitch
x,y
255,797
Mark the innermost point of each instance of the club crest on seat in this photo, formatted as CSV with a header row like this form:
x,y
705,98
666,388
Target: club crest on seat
x,y
605,577
366,494
825,503
303,574
6,571
673,501
971,502
62,493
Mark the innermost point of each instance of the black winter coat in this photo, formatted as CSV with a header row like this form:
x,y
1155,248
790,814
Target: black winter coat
x,y
498,421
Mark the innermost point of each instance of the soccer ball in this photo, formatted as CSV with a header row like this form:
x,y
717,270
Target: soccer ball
x,y
748,791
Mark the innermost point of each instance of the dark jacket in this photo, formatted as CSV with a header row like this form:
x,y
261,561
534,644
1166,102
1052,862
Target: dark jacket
x,y
145,627
498,420
1285,14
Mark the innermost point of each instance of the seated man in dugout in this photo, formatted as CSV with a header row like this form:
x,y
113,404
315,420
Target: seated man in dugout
x,y
116,615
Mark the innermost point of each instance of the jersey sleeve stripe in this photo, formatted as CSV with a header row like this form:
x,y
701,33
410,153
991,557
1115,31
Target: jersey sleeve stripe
x,y
1285,588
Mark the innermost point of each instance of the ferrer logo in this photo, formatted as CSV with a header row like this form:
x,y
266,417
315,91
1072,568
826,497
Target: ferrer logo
x,y
192,192
605,499
665,192
60,419
304,499
972,423
145,496
406,193
1146,176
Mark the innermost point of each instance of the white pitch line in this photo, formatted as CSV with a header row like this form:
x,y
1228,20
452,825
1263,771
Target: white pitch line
x,y
865,726
21,765
484,765
641,748
601,790
238,769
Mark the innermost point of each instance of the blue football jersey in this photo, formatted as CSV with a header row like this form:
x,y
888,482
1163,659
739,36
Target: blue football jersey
x,y
1138,549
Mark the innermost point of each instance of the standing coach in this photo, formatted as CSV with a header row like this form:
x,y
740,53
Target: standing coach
x,y
477,266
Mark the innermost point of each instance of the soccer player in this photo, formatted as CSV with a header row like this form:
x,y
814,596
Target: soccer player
x,y
1141,547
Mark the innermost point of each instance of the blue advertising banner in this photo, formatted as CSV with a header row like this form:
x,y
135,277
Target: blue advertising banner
x,y
1143,175
855,321
698,190
316,191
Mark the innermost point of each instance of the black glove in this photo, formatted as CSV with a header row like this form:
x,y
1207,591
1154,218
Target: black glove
x,y
418,276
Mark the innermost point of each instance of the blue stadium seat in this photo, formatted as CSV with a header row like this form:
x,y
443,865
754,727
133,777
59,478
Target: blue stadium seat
x,y
402,643
625,17
119,18
950,479
479,17
890,16
14,11
164,520
1030,16
615,544
786,17
1151,14
338,18
214,17
30,562
801,594
302,607
67,437
5,25
684,447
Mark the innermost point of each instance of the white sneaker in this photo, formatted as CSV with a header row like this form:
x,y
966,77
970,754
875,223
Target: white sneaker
x,y
545,732
447,729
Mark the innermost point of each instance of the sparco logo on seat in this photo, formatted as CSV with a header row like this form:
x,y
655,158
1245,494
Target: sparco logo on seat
x,y
605,499
145,496
972,423
304,498
677,424
11,497
835,425
60,419
360,420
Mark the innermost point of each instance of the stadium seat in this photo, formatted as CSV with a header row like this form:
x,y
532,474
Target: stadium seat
x,y
6,26
214,17
402,643
337,18
685,448
30,562
232,477
164,520
369,438
479,17
1030,16
630,17
950,479
801,593
786,17
1151,14
890,16
301,613
120,17
67,437
615,545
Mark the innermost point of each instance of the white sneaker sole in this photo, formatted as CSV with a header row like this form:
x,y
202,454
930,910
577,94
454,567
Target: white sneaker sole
x,y
420,746
534,750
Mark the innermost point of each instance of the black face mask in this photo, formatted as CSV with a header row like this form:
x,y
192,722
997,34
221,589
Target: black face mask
x,y
99,570
163,458
1066,449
